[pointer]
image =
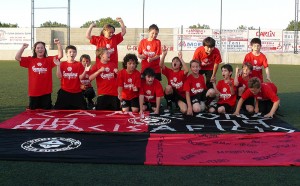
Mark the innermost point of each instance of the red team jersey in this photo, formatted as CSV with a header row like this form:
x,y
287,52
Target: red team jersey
x,y
258,62
225,93
110,44
106,81
150,49
175,79
150,92
207,61
243,82
127,82
194,85
70,81
86,79
268,92
39,74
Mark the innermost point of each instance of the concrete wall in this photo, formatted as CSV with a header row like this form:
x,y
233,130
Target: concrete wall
x,y
129,45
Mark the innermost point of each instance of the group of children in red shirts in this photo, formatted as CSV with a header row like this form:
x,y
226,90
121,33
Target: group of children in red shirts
x,y
130,90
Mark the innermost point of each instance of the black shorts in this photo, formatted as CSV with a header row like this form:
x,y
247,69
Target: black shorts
x,y
208,74
89,93
70,101
108,102
265,106
248,101
150,105
158,76
40,102
130,103
199,97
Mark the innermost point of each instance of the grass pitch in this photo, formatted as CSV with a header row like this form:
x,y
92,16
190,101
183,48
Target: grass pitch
x,y
14,99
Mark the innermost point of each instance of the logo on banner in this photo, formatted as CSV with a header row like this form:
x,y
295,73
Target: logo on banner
x,y
56,144
149,120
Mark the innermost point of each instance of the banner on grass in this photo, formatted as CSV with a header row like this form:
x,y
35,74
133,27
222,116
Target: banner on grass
x,y
110,121
259,149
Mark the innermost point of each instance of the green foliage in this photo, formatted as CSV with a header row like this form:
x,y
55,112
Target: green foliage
x,y
200,26
8,25
101,22
291,26
53,24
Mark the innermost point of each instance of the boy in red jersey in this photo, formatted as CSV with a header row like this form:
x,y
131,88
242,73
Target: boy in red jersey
x,y
106,80
39,67
108,39
226,91
149,51
174,90
86,86
265,94
70,72
210,58
258,60
241,82
195,90
151,92
129,83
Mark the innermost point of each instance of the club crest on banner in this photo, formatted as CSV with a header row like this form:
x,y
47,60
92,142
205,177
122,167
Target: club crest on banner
x,y
149,120
56,144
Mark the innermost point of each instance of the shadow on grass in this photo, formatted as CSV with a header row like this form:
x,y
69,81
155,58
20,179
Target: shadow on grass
x,y
289,108
10,111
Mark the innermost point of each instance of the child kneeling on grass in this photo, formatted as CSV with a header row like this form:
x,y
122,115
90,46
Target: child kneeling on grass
x,y
265,94
151,92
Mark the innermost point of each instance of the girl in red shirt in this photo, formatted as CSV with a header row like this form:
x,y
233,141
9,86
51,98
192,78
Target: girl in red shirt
x,y
39,67
151,92
108,39
106,80
129,83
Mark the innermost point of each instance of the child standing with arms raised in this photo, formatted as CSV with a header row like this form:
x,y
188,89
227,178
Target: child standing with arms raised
x,y
108,39
70,72
39,73
129,83
258,60
149,51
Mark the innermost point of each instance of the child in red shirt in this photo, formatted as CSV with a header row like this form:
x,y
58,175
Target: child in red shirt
x,y
226,92
39,67
106,80
86,86
258,60
195,90
174,90
265,94
108,40
129,83
70,72
241,82
210,58
151,92
149,51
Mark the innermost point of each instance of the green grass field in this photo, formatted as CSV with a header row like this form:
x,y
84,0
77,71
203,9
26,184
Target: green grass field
x,y
14,99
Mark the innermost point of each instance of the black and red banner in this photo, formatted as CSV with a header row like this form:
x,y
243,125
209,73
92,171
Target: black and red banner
x,y
258,149
110,121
